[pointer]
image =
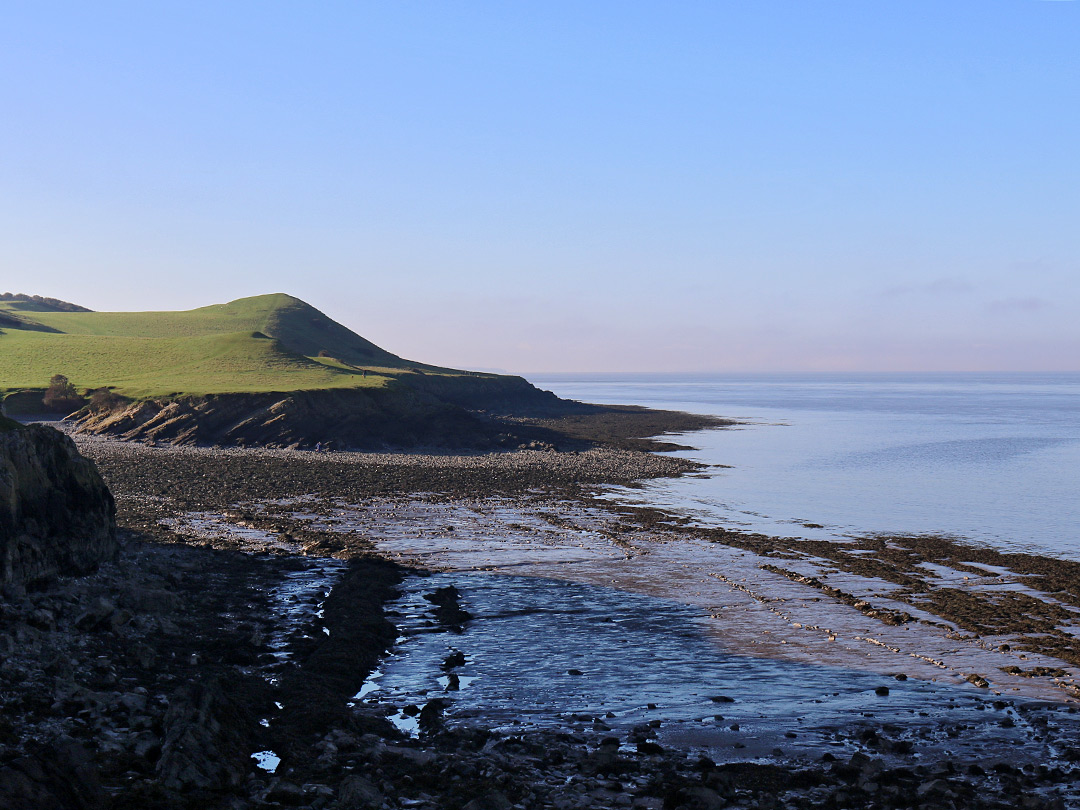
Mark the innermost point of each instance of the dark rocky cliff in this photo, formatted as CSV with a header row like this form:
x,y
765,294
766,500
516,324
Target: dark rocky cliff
x,y
362,419
56,514
504,394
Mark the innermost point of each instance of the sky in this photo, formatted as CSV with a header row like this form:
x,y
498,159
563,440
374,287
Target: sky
x,y
783,185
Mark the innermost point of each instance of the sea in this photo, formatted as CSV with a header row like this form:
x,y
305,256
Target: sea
x,y
992,459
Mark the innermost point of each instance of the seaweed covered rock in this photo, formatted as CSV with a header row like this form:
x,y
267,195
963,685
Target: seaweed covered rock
x,y
57,517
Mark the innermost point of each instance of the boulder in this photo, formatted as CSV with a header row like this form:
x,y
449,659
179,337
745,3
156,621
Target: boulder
x,y
57,517
207,739
358,793
58,777
491,801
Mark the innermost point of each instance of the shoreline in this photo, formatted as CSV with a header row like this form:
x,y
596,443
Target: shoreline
x,y
270,516
1008,604
1003,602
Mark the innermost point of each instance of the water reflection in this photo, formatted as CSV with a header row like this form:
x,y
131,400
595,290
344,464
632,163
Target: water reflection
x,y
990,457
553,654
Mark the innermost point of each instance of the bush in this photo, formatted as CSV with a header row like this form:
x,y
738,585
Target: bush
x,y
61,396
102,399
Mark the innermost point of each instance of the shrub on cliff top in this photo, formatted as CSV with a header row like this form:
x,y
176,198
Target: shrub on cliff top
x,y
104,399
61,395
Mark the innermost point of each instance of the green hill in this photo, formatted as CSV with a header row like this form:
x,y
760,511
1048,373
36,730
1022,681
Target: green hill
x,y
268,343
274,371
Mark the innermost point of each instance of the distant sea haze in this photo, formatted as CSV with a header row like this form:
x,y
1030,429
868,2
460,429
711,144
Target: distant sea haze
x,y
990,458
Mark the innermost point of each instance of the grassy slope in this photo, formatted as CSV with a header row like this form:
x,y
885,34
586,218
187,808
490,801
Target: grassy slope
x,y
265,343
243,315
145,367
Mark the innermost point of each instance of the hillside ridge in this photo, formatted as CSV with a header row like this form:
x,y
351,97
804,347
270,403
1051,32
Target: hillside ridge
x,y
40,302
214,349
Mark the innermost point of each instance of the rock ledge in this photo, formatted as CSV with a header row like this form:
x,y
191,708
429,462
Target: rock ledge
x,y
57,517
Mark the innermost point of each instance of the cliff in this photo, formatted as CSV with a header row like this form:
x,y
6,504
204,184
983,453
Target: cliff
x,y
348,419
56,514
501,394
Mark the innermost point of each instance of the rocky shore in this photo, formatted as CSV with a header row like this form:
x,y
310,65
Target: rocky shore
x,y
221,659
473,414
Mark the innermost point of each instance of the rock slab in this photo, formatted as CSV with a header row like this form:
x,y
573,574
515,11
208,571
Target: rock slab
x,y
57,517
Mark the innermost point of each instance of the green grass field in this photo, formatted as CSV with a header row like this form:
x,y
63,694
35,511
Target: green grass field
x,y
265,343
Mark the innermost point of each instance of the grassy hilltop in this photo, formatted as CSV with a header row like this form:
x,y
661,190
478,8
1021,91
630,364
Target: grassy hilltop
x,y
268,343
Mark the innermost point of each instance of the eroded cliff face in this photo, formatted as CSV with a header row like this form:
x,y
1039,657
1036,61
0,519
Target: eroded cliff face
x,y
504,394
57,517
346,418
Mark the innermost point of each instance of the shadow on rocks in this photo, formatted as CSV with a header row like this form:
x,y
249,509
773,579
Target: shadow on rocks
x,y
59,776
207,739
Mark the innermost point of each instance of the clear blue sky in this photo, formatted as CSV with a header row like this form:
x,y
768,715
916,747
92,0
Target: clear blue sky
x,y
774,185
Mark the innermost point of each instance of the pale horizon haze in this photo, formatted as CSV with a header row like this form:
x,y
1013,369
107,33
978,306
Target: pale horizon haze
x,y
787,185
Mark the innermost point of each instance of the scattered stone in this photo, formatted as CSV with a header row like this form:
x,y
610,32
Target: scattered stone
x,y
454,660
448,610
98,616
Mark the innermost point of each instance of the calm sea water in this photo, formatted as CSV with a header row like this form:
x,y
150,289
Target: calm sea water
x,y
992,458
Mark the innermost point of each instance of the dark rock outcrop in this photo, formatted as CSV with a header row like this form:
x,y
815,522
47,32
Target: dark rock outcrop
x,y
59,777
501,394
56,514
207,740
362,419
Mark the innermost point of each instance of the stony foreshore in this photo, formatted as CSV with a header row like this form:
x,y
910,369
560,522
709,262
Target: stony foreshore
x,y
242,619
